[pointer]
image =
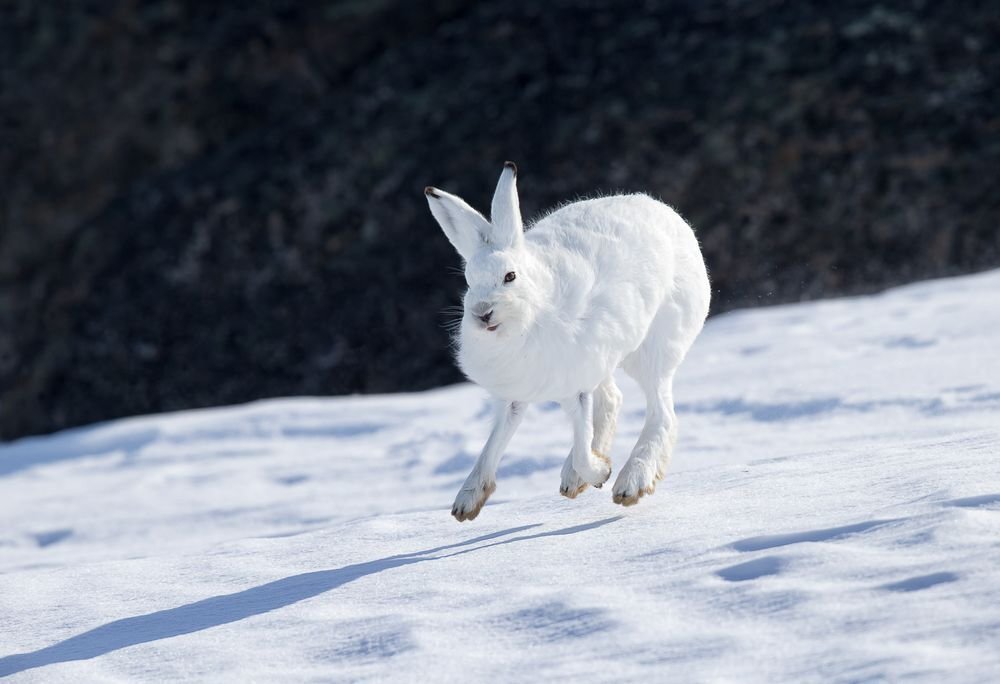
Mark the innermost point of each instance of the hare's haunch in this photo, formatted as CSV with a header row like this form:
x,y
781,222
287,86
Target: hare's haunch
x,y
551,312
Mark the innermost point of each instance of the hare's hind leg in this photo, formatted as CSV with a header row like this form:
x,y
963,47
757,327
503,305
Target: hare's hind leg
x,y
607,402
651,454
653,366
589,466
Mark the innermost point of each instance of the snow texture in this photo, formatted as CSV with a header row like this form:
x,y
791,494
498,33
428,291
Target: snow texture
x,y
832,514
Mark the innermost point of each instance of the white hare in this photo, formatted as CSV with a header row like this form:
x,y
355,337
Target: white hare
x,y
552,312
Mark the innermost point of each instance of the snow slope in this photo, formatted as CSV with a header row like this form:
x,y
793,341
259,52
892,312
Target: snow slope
x,y
832,514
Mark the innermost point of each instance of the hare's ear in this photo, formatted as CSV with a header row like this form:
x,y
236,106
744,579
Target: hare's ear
x,y
505,214
465,227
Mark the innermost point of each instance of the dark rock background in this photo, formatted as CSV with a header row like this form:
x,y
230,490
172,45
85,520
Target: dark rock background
x,y
207,203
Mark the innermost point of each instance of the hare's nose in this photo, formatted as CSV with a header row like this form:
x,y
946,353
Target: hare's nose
x,y
483,311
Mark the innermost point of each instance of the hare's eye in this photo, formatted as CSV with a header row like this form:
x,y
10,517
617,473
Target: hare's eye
x,y
509,277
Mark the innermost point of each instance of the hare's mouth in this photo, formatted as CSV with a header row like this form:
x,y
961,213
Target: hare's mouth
x,y
491,328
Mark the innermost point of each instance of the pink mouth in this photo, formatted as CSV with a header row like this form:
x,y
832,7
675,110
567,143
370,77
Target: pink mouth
x,y
493,327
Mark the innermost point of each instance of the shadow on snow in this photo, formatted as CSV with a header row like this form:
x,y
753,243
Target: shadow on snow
x,y
221,610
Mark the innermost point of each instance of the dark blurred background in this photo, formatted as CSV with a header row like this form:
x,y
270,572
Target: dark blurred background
x,y
206,203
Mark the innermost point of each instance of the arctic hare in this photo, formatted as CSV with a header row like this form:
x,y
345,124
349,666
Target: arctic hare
x,y
552,312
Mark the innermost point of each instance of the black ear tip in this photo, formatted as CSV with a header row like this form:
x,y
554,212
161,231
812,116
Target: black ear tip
x,y
431,191
510,165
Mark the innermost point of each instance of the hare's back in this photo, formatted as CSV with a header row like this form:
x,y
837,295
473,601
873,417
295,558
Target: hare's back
x,y
611,231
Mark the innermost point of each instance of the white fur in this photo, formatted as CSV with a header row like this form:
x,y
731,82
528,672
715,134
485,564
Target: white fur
x,y
599,284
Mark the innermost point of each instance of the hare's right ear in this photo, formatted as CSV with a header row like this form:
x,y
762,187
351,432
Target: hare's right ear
x,y
465,227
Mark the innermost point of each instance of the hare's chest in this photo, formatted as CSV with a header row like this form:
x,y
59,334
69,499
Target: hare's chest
x,y
537,372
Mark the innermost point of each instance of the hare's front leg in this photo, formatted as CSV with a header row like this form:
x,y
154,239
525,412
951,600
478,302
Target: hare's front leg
x,y
590,466
607,403
482,481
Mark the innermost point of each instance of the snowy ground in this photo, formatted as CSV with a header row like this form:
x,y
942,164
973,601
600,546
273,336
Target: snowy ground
x,y
832,514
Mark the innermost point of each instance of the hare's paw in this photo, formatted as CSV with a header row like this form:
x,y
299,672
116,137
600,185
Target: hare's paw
x,y
470,500
594,468
637,479
571,484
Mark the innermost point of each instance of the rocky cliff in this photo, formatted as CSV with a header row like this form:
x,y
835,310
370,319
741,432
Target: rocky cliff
x,y
206,204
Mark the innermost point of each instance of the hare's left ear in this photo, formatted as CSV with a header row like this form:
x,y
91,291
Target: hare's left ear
x,y
466,228
505,212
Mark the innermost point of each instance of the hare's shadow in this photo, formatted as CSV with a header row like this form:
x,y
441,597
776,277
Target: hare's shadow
x,y
221,610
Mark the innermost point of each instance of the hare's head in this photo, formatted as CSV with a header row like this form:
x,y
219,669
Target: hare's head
x,y
501,273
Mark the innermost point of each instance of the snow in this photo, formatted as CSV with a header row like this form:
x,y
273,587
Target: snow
x,y
832,514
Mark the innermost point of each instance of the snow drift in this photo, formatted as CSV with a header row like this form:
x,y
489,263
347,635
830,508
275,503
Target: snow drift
x,y
832,513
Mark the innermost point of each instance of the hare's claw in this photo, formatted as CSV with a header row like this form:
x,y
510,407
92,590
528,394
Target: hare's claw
x,y
470,501
570,485
636,480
